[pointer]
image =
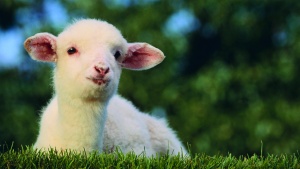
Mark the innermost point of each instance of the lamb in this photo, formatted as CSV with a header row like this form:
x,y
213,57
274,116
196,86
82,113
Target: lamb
x,y
85,112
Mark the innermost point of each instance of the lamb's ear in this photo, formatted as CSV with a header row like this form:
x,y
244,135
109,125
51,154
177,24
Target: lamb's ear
x,y
141,56
42,47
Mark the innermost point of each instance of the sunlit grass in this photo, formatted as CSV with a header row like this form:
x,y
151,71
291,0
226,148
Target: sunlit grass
x,y
29,158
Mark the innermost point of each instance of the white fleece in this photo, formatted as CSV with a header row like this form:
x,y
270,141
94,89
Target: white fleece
x,y
85,113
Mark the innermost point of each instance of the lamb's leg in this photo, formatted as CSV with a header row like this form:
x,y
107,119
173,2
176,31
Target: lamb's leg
x,y
163,139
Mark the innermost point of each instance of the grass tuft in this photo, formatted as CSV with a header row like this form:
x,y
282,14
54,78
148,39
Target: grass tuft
x,y
28,158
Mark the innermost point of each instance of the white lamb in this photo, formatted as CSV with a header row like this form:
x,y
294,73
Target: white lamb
x,y
85,113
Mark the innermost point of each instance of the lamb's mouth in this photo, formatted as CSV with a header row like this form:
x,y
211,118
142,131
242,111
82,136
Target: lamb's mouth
x,y
99,81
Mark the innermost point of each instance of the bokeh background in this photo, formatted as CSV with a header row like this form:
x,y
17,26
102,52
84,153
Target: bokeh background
x,y
229,82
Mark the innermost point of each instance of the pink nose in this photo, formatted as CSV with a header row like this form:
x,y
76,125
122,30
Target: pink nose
x,y
102,70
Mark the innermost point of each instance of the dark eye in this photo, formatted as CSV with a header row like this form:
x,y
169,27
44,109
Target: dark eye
x,y
72,50
117,54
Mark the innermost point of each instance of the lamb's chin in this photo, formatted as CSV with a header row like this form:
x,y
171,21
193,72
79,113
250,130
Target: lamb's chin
x,y
96,92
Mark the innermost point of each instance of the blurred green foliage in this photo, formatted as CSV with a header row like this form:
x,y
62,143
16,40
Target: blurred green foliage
x,y
227,85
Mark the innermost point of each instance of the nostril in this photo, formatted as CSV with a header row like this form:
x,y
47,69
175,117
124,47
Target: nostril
x,y
97,69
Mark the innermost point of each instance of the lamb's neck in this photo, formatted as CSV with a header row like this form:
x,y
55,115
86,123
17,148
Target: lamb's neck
x,y
80,111
82,122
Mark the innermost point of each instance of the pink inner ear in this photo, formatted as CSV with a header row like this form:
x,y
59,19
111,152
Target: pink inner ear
x,y
43,51
42,47
141,56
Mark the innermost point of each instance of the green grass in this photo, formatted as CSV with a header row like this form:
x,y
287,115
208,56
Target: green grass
x,y
28,158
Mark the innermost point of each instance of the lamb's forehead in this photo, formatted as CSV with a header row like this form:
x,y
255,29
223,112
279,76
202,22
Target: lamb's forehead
x,y
92,30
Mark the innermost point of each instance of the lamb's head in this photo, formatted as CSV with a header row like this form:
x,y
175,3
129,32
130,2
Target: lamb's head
x,y
89,55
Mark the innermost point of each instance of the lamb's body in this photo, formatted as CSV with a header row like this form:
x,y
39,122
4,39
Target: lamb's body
x,y
85,113
125,128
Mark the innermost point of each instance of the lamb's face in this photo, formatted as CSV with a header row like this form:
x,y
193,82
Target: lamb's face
x,y
89,54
